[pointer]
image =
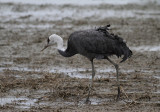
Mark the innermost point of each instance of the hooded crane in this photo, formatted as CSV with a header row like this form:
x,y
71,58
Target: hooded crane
x,y
93,43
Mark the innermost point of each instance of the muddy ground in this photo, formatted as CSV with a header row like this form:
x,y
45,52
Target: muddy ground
x,y
31,80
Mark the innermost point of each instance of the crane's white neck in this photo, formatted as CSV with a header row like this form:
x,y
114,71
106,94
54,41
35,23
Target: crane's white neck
x,y
56,39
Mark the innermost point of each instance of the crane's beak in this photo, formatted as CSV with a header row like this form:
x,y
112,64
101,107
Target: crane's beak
x,y
44,47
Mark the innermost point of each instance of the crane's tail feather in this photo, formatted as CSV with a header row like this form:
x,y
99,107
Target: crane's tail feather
x,y
121,48
127,54
104,29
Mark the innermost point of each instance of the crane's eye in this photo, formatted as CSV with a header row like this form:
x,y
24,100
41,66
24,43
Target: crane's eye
x,y
48,40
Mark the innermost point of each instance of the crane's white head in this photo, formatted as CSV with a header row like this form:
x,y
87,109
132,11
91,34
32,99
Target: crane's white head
x,y
53,40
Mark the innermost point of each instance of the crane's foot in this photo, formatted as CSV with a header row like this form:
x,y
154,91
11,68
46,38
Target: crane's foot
x,y
118,95
87,101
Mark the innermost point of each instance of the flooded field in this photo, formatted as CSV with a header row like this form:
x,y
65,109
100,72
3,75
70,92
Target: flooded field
x,y
31,80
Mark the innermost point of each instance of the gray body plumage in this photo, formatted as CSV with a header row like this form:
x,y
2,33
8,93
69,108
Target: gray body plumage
x,y
96,43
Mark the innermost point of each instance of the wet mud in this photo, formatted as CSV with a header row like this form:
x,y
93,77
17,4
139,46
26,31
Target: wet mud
x,y
31,80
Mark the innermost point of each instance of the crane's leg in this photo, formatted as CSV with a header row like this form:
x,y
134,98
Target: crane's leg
x,y
117,69
91,83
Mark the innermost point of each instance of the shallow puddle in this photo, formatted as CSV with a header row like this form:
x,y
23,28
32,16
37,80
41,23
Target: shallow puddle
x,y
22,102
77,72
83,2
66,12
146,48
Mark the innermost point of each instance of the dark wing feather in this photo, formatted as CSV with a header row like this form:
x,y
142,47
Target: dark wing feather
x,y
92,42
